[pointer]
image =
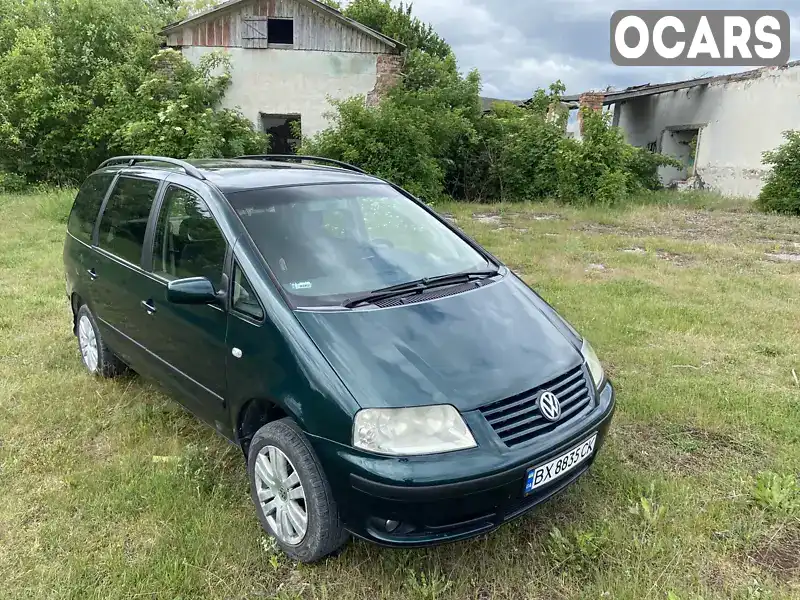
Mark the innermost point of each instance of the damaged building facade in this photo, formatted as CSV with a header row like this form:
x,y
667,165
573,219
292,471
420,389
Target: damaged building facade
x,y
288,57
717,127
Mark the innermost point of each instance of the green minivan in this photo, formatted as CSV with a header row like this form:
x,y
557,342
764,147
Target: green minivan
x,y
383,374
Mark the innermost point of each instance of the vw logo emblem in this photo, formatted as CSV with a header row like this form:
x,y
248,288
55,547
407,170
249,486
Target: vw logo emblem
x,y
549,406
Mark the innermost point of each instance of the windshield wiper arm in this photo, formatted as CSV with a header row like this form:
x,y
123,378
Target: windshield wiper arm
x,y
459,277
417,287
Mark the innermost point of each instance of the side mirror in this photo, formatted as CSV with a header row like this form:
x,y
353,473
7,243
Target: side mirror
x,y
193,290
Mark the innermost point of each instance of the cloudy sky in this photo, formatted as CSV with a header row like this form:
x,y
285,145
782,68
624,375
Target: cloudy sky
x,y
519,45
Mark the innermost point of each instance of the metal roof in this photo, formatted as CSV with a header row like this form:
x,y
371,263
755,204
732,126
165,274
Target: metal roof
x,y
332,12
651,89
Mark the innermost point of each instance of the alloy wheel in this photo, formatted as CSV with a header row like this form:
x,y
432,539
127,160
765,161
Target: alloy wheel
x,y
281,495
87,340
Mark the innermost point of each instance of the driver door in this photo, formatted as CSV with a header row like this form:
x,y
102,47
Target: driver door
x,y
188,340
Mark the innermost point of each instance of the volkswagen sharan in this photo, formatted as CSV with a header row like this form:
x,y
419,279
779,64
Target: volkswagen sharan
x,y
383,374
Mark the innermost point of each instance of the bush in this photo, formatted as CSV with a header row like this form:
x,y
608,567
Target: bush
x,y
781,191
602,168
389,141
11,183
78,82
172,113
416,137
515,157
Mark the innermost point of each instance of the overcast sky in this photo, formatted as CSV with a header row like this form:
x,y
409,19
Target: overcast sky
x,y
519,45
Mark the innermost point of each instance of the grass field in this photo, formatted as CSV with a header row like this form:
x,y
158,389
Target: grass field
x,y
110,490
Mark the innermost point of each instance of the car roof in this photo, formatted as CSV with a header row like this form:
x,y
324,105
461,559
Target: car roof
x,y
236,175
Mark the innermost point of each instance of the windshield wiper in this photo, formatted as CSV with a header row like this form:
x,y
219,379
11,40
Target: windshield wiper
x,y
418,286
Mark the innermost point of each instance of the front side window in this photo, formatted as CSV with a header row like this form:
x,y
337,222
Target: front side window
x,y
124,220
188,242
244,299
325,243
87,205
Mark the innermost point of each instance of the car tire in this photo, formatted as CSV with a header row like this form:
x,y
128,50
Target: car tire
x,y
96,356
277,498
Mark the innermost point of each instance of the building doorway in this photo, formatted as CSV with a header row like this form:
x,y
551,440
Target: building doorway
x,y
284,131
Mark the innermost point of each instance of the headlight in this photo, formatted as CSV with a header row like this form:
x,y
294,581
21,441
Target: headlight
x,y
411,431
595,368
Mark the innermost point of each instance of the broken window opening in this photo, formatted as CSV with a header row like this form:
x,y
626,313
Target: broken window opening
x,y
680,142
284,131
280,31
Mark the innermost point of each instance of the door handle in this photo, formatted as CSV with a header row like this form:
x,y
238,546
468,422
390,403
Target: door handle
x,y
149,306
92,274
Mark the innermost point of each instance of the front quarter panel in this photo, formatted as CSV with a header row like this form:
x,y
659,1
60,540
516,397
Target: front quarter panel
x,y
281,364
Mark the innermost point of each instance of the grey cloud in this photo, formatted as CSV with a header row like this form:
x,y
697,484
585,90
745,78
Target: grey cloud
x,y
520,45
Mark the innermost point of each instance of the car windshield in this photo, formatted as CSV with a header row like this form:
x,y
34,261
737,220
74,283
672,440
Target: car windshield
x,y
326,243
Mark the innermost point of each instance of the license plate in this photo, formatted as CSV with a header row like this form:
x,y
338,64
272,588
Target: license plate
x,y
570,460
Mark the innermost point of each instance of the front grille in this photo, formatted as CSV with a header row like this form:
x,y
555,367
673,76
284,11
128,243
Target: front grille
x,y
517,420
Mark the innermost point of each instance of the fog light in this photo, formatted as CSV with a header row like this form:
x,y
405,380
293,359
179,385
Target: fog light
x,y
391,525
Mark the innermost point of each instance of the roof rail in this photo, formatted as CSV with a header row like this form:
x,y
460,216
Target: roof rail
x,y
191,170
291,157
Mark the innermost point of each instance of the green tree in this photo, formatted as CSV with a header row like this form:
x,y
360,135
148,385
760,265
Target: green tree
x,y
74,76
398,23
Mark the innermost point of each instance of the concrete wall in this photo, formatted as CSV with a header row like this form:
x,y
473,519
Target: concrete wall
x,y
276,81
739,117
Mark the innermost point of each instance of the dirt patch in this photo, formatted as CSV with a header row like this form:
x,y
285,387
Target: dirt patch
x,y
780,554
784,257
488,219
682,449
673,257
601,229
713,226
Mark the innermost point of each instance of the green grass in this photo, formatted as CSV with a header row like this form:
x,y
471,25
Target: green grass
x,y
110,490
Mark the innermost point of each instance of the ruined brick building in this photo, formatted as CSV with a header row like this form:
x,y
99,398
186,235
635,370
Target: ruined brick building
x,y
717,127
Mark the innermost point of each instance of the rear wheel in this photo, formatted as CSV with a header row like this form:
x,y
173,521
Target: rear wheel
x,y
97,357
292,496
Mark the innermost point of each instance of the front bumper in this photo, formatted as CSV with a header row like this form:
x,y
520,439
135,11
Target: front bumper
x,y
456,496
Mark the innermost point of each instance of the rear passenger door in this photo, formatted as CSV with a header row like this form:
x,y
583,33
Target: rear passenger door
x,y
79,256
117,270
190,340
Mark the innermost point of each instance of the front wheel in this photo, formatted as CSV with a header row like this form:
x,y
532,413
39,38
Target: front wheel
x,y
291,493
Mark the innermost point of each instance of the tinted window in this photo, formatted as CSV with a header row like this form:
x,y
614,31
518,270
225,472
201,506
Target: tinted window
x,y
124,220
244,298
87,205
325,243
188,242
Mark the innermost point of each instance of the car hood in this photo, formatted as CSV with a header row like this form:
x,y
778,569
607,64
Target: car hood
x,y
466,350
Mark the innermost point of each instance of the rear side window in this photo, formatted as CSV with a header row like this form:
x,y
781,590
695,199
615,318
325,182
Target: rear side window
x,y
87,205
124,220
